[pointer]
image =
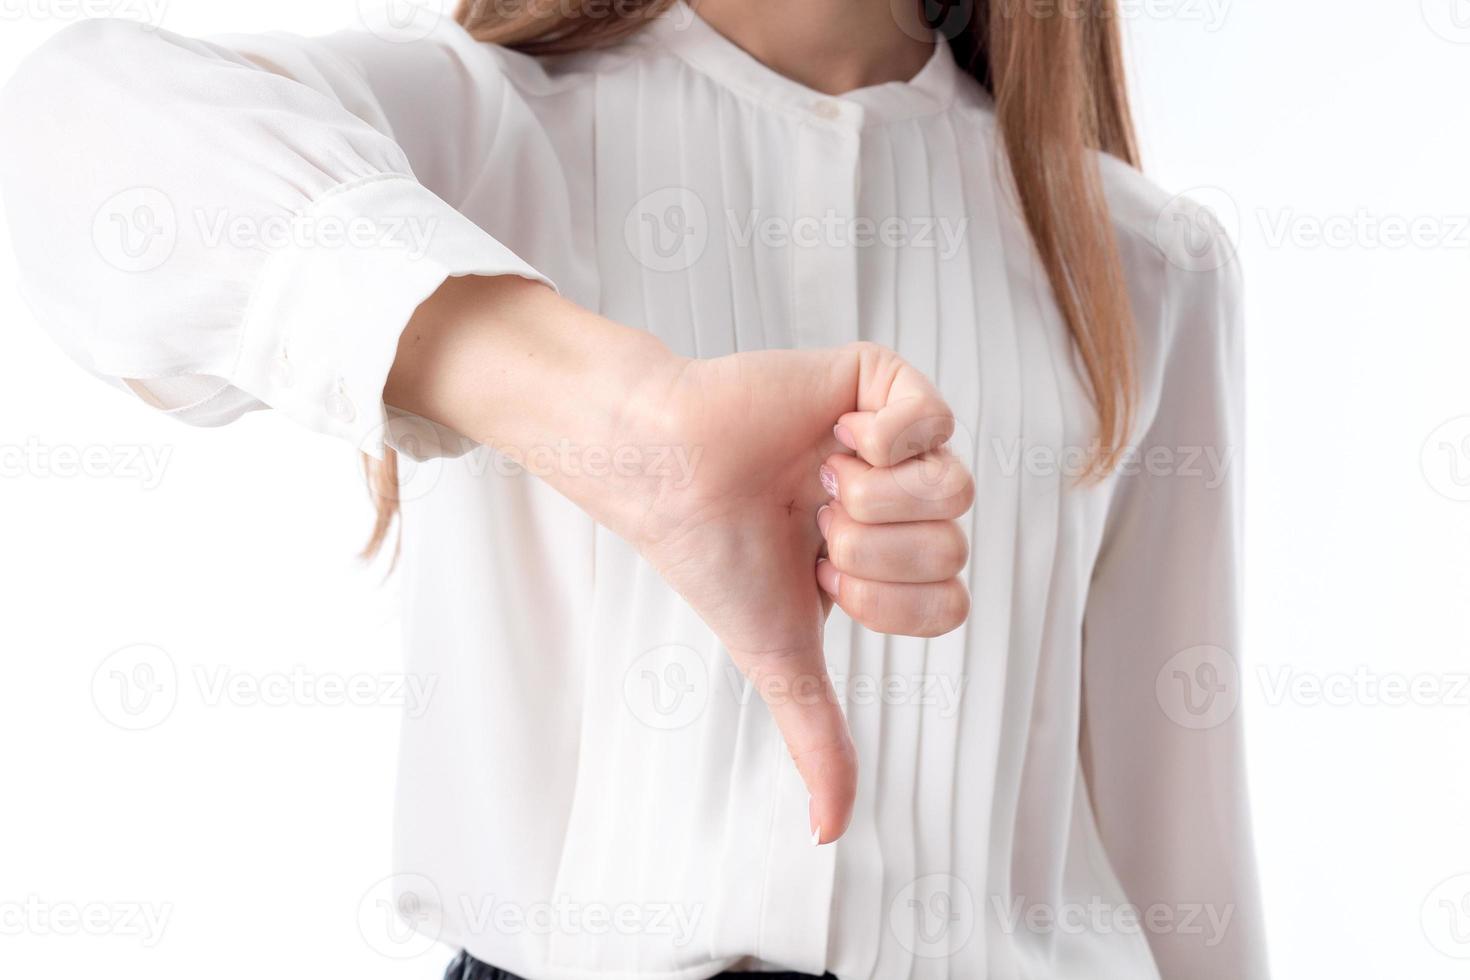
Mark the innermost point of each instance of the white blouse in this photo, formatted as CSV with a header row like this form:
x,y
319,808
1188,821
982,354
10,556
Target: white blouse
x,y
1054,790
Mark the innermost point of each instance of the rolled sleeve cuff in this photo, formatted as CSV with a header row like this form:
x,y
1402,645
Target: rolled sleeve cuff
x,y
322,330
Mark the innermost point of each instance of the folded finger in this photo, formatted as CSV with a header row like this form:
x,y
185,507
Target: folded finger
x,y
900,413
935,486
899,608
918,551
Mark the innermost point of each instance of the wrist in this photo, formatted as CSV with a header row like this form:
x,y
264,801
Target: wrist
x,y
579,400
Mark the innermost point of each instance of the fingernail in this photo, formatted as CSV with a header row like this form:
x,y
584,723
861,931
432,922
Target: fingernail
x,y
844,436
811,817
824,519
829,481
828,577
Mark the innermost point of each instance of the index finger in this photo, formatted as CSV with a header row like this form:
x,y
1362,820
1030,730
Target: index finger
x,y
900,414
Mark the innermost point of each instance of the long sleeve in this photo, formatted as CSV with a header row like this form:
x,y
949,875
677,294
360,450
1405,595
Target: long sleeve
x,y
250,222
1162,741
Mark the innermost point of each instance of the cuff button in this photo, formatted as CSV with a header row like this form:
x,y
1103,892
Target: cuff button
x,y
282,373
339,407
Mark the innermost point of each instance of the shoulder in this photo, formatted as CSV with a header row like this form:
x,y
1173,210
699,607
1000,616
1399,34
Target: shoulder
x,y
1181,264
1181,241
446,42
1184,283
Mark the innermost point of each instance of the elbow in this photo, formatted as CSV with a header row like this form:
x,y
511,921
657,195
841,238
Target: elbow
x,y
60,116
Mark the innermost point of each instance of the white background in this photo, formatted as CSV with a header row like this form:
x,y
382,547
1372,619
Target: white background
x,y
258,831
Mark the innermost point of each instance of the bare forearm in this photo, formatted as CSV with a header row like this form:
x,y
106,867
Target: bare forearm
x,y
510,364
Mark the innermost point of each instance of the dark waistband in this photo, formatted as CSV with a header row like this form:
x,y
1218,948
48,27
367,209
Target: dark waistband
x,y
466,967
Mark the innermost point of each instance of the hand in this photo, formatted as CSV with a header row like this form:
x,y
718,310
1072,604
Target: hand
x,y
798,455
742,541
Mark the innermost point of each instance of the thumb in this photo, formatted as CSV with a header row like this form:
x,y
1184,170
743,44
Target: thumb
x,y
798,691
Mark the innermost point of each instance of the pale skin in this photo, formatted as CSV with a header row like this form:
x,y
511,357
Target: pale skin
x,y
821,475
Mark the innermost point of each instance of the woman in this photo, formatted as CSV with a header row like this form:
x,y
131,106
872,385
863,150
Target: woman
x,y
824,275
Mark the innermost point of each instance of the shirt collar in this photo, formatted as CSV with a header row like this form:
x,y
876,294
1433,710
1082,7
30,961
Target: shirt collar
x,y
685,33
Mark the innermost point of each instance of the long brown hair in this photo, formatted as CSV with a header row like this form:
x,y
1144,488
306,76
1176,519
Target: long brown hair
x,y
1055,71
